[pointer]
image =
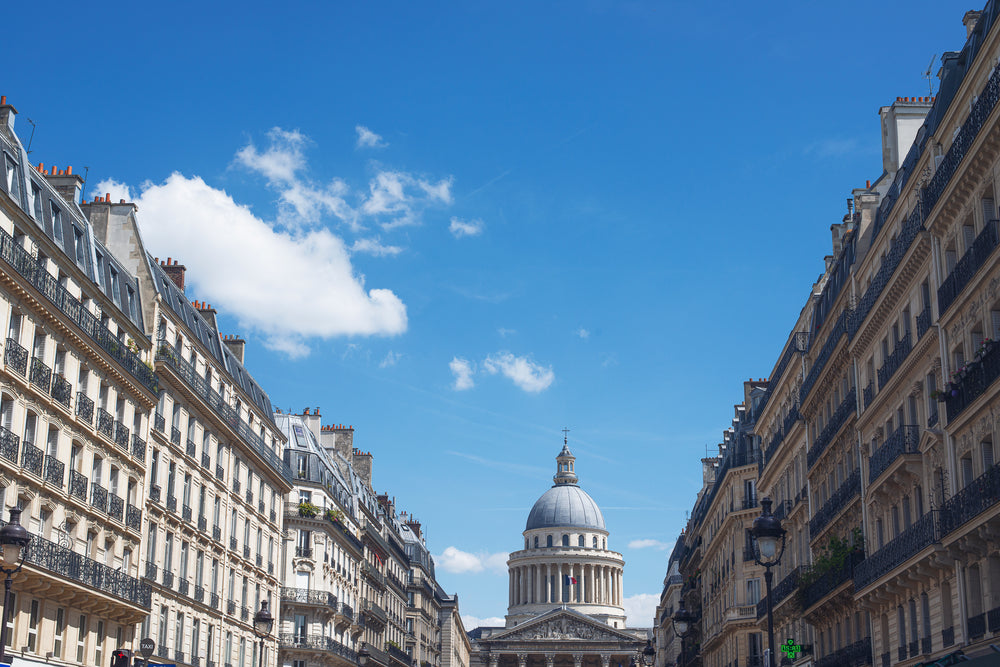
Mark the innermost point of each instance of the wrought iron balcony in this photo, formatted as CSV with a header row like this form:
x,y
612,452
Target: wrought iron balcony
x,y
199,594
167,578
852,655
9,445
84,408
889,367
925,645
186,512
54,471
154,492
206,461
116,506
923,533
202,524
171,503
261,507
105,423
301,641
159,423
303,552
244,613
62,390
904,440
948,637
374,612
923,321
217,533
15,357
220,472
259,560
782,508
183,586
78,485
831,580
273,516
993,619
868,394
839,417
31,458
832,507
246,551
373,574
977,626
191,449
138,447
780,592
179,656
346,610
967,267
175,435
270,567
307,596
236,484
249,497
151,571
121,435
214,601
99,497
399,654
204,390
832,340
233,544
40,374
977,496
978,376
133,517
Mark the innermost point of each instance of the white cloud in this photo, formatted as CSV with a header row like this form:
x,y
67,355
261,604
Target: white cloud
x,y
374,246
582,333
398,198
506,332
391,359
368,139
282,160
118,191
524,372
462,370
288,286
456,561
460,228
473,622
648,544
640,609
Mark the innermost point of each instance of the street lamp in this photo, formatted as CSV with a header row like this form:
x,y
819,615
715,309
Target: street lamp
x,y
363,655
768,547
262,623
13,542
648,654
682,620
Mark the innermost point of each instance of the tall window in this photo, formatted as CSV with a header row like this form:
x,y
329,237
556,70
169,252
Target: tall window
x,y
33,626
99,644
57,226
162,628
81,633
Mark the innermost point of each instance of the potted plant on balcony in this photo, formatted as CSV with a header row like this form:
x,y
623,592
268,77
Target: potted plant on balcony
x,y
333,516
308,510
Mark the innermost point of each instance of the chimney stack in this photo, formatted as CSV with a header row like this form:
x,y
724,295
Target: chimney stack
x,y
7,113
362,462
175,271
208,313
236,345
66,183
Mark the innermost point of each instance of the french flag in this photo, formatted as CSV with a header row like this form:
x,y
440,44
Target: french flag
x,y
570,579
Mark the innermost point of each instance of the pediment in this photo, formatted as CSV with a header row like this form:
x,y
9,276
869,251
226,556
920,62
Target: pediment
x,y
563,625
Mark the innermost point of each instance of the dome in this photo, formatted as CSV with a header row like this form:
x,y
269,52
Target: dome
x,y
565,505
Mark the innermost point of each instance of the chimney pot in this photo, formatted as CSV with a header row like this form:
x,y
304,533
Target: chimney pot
x,y
69,170
3,100
121,201
107,197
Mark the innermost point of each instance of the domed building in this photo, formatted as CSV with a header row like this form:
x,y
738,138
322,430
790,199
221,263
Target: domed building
x,y
565,594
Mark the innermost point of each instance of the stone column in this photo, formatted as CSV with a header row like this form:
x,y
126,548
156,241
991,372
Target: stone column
x,y
586,583
559,580
577,660
605,660
618,577
495,660
548,583
522,660
550,660
510,591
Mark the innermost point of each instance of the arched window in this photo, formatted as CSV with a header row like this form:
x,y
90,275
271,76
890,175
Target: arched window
x,y
595,541
536,541
581,542
548,540
565,540
526,543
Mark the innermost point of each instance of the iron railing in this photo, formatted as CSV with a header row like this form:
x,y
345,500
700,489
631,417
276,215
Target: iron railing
x,y
40,374
838,330
138,447
175,435
62,390
307,596
121,435
780,592
978,495
868,394
206,461
315,642
99,497
839,417
890,365
977,377
191,449
374,611
31,458
831,580
904,440
105,423
78,485
9,444
54,471
84,407
116,506
160,423
857,654
133,517
833,506
967,267
923,321
15,357
923,533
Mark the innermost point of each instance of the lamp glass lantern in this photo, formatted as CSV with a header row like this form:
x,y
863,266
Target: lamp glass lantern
x,y
649,654
14,539
263,621
768,536
681,620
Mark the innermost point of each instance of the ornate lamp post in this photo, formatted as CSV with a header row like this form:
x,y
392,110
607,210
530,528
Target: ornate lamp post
x,y
648,654
363,655
13,548
682,620
262,623
768,547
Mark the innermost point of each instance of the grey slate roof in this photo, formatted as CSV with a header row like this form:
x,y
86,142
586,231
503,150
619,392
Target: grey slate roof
x,y
565,506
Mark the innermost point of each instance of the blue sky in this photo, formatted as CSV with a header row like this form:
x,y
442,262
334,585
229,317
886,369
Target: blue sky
x,y
463,227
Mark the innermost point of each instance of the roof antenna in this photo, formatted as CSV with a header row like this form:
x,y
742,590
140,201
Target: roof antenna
x,y
927,75
83,193
28,149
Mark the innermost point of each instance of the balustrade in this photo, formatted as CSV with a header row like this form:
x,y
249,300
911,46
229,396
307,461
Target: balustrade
x,y
839,417
904,440
832,507
967,267
15,357
904,546
890,365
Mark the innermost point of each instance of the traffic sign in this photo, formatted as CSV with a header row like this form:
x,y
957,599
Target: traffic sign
x,y
146,647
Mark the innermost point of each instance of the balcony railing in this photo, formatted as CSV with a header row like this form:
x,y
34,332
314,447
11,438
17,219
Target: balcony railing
x,y
168,578
138,447
206,461
303,552
171,502
31,458
105,423
374,611
175,435
40,375
772,447
121,435
151,571
977,496
116,506
923,533
159,423
967,267
9,445
154,493
904,440
62,390
186,512
203,389
99,497
889,367
306,596
839,417
346,610
84,408
191,449
857,654
780,592
832,507
977,626
78,485
831,580
287,640
978,376
868,394
15,357
923,321
838,330
133,517
54,471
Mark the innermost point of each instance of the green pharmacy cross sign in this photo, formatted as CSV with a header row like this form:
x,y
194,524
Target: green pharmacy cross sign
x,y
791,649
